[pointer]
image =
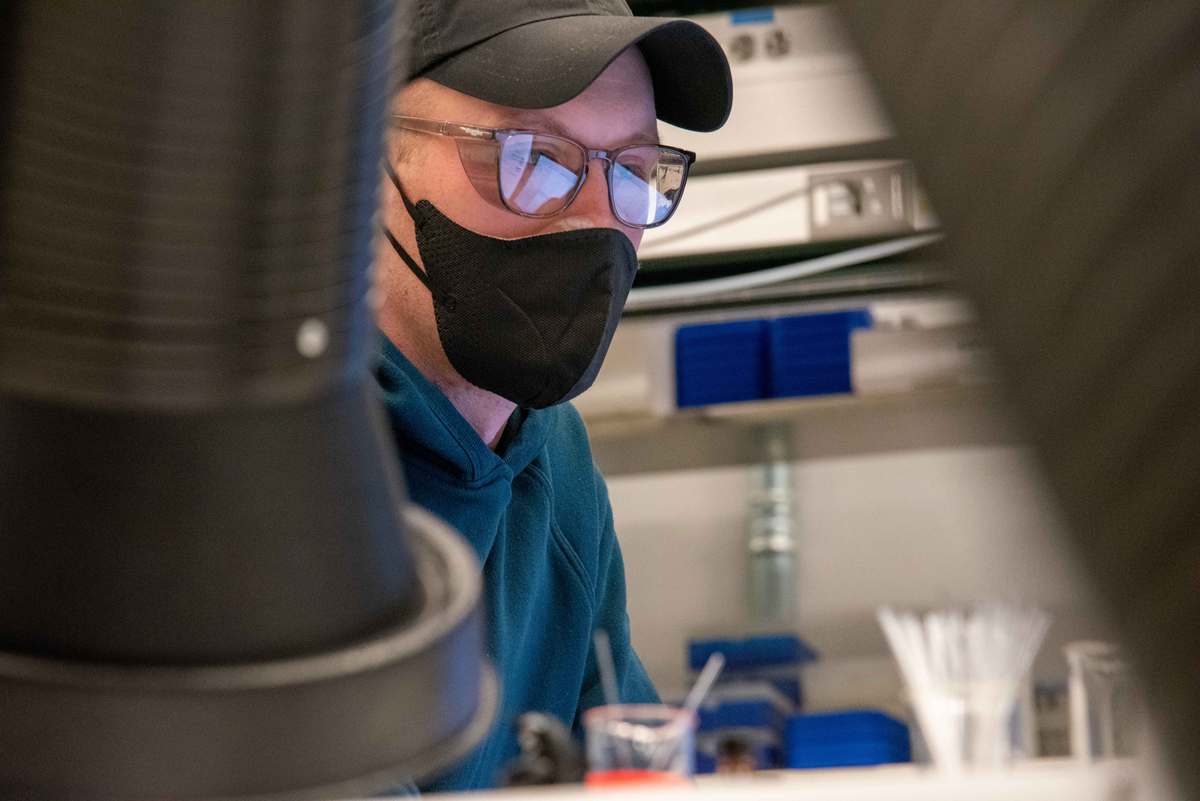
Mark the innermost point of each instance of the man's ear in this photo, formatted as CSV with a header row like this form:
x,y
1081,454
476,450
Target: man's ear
x,y
414,100
399,148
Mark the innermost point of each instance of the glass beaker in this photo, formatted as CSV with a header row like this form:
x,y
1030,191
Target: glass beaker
x,y
1104,702
639,744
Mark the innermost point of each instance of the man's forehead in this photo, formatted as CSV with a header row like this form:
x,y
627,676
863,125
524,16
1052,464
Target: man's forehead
x,y
558,122
622,96
616,108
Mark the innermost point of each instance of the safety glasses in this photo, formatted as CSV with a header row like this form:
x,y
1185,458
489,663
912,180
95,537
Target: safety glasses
x,y
538,175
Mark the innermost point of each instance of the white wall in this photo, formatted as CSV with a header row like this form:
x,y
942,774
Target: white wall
x,y
915,525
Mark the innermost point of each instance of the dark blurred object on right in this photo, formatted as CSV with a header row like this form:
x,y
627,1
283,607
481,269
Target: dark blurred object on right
x,y
1058,142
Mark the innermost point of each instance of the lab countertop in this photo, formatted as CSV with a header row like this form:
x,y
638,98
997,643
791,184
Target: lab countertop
x,y
1041,780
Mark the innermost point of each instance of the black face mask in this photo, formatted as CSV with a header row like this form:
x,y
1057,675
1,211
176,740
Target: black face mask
x,y
528,319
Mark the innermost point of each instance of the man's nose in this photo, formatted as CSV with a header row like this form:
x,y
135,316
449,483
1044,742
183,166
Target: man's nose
x,y
592,200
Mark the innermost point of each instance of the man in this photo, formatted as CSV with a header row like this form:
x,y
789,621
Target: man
x,y
523,166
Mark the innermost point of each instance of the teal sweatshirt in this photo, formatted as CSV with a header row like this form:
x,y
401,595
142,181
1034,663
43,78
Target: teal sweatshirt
x,y
536,512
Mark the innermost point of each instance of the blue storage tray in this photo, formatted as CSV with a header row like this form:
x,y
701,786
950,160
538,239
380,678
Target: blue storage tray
x,y
762,651
810,354
704,762
747,713
790,686
720,362
849,724
846,756
840,739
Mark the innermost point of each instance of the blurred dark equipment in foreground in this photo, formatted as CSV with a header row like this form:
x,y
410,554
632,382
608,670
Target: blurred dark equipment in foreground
x,y
549,754
1059,142
211,584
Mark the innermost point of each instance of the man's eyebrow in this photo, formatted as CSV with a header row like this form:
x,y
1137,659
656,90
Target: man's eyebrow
x,y
522,119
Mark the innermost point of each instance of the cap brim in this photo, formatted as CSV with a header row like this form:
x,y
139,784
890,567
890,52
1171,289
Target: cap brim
x,y
548,62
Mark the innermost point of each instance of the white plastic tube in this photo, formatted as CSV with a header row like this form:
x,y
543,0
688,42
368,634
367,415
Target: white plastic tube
x,y
699,290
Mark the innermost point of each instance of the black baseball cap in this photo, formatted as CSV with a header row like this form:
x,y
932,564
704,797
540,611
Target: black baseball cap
x,y
540,53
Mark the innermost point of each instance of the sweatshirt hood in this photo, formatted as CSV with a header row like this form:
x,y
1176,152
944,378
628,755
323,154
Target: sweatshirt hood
x,y
430,429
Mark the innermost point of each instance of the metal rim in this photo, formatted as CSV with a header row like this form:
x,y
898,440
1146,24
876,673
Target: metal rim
x,y
432,624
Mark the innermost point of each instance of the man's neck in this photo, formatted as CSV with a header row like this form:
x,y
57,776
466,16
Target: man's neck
x,y
486,412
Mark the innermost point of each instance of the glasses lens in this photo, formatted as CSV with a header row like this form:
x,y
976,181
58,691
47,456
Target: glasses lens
x,y
538,174
646,184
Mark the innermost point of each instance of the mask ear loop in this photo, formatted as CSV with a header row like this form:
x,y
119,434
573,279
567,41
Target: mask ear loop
x,y
421,274
395,179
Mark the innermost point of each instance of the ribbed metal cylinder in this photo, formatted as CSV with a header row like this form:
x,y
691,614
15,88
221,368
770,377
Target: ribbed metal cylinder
x,y
188,199
211,582
192,453
771,539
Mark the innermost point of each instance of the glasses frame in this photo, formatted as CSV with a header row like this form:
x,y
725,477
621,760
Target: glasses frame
x,y
486,177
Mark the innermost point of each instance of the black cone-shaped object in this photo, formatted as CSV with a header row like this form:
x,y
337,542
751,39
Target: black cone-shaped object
x,y
207,584
1058,143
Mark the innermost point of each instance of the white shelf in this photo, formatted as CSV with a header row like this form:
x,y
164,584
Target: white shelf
x,y
763,412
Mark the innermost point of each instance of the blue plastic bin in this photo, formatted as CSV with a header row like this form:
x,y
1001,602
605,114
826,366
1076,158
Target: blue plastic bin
x,y
720,362
845,739
809,354
772,658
